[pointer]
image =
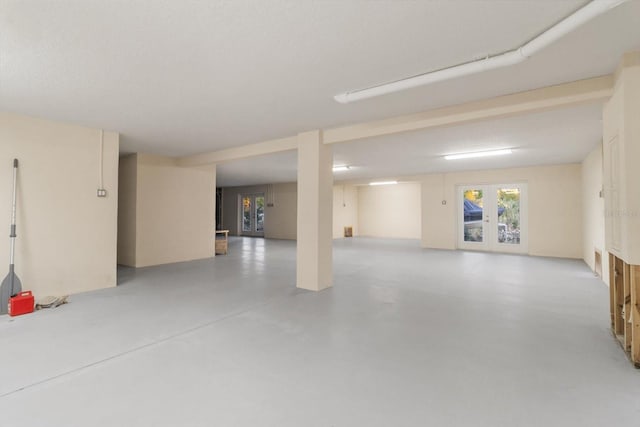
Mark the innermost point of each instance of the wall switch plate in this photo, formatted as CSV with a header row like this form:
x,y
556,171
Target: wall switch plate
x,y
102,192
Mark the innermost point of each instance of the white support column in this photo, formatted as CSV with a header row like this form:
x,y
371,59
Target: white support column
x,y
315,212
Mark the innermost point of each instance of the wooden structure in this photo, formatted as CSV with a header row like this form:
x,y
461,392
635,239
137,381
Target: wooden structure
x,y
222,242
625,306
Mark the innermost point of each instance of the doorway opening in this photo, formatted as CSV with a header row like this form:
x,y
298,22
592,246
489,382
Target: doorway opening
x,y
251,215
493,217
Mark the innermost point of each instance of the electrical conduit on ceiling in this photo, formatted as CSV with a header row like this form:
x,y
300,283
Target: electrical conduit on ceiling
x,y
512,57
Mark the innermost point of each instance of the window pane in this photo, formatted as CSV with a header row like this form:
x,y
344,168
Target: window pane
x,y
260,213
246,214
509,215
473,215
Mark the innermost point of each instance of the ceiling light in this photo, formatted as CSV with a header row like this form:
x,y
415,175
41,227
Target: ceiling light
x,y
511,57
341,168
383,183
478,154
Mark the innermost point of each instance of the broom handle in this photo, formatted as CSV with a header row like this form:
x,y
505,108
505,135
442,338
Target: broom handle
x,y
13,212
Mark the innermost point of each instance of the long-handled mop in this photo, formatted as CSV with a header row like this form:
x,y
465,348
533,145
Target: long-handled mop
x,y
11,284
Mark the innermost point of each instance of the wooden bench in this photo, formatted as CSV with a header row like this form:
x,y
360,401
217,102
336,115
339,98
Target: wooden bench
x,y
222,244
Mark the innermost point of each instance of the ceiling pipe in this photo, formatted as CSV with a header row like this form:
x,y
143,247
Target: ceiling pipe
x,y
512,57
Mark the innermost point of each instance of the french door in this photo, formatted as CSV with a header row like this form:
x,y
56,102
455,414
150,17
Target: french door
x,y
493,217
252,214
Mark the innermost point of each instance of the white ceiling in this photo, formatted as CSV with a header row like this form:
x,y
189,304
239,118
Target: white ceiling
x,y
552,137
188,76
269,169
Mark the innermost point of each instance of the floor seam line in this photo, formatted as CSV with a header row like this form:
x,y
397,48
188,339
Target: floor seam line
x,y
142,347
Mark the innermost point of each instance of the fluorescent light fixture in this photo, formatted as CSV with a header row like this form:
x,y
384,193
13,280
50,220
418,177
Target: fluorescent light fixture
x,y
478,154
383,183
341,168
514,56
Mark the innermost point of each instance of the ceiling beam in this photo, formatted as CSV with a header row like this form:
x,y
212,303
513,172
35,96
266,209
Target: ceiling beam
x,y
596,89
243,152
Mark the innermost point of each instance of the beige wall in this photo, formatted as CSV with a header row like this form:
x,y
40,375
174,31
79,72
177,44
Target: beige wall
x,y
621,151
231,204
554,199
632,157
614,169
593,212
66,235
415,210
345,209
390,210
175,212
127,196
280,219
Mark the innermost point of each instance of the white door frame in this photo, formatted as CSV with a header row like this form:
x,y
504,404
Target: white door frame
x,y
490,241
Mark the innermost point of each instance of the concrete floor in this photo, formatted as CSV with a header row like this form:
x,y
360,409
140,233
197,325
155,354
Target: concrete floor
x,y
407,337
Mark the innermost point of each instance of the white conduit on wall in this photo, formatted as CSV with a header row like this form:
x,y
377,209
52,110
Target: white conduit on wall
x,y
512,57
101,160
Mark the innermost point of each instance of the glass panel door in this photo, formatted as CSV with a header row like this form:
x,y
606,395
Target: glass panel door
x,y
508,205
252,214
492,218
260,213
472,214
510,231
246,214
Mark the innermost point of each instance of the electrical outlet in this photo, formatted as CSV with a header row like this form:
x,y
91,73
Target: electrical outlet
x,y
102,192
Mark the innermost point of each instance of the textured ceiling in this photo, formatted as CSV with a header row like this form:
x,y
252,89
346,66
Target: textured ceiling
x,y
553,137
184,77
